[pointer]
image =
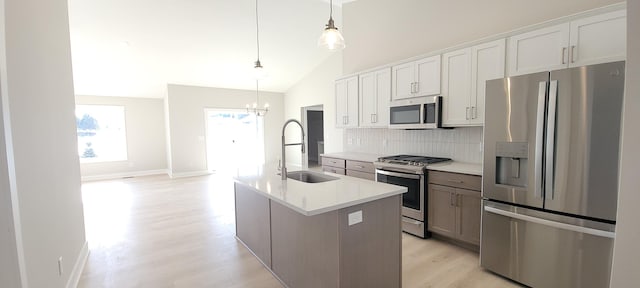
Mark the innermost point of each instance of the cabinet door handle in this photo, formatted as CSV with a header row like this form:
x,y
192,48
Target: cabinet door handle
x,y
413,89
455,181
373,118
359,167
417,87
466,114
564,49
458,200
474,112
451,201
572,53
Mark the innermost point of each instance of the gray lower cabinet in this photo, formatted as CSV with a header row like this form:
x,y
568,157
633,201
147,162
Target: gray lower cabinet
x,y
323,250
358,169
455,206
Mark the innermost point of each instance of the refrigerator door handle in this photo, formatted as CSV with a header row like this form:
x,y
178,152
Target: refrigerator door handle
x,y
551,140
542,94
550,223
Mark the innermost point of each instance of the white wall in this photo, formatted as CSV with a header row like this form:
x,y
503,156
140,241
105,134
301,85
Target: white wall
x,y
626,252
316,88
186,106
378,32
9,265
459,144
146,142
40,135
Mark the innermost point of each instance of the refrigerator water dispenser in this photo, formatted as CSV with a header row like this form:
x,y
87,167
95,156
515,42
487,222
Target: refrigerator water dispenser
x,y
511,163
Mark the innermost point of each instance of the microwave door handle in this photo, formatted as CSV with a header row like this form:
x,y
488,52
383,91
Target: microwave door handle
x,y
551,140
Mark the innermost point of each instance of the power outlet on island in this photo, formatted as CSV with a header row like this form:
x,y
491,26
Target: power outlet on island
x,y
355,217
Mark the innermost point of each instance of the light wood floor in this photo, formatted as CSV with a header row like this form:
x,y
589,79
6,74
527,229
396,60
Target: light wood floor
x,y
160,232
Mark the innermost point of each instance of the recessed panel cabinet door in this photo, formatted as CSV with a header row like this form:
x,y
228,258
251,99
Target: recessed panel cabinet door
x,y
346,91
469,210
456,87
487,63
403,81
598,39
428,76
540,50
442,210
375,94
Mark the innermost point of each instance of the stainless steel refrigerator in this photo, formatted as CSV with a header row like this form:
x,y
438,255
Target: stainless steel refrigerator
x,y
550,183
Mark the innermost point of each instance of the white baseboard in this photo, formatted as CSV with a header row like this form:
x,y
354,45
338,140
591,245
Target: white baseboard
x,y
189,174
123,175
78,267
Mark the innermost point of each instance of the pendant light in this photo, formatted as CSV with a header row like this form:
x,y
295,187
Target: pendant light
x,y
259,73
331,37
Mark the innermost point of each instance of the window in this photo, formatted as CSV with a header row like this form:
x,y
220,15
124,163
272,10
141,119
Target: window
x,y
101,133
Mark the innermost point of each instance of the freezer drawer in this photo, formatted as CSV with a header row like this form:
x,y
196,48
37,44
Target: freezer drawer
x,y
540,249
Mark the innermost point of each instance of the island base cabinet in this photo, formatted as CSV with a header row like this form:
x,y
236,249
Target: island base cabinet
x,y
325,251
253,220
371,251
305,248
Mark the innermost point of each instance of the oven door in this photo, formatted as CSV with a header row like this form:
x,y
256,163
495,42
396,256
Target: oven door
x,y
413,200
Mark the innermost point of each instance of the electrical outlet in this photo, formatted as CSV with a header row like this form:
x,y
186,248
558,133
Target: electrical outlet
x,y
355,217
60,268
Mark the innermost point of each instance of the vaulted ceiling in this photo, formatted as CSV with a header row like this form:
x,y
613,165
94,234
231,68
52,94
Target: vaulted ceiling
x,y
134,48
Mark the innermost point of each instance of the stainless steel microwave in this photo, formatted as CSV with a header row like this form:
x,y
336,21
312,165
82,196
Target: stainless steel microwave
x,y
416,113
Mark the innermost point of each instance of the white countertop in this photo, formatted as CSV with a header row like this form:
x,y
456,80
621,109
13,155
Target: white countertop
x,y
457,167
356,156
315,198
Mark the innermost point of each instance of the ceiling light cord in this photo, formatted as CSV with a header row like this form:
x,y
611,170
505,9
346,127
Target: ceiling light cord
x,y
257,34
259,70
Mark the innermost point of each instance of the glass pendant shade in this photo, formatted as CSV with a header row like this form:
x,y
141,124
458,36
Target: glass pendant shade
x,y
331,39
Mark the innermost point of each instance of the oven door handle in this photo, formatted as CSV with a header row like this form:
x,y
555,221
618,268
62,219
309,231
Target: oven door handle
x,y
396,174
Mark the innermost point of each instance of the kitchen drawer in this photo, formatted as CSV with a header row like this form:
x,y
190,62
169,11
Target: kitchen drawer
x,y
333,162
360,174
464,181
333,170
366,167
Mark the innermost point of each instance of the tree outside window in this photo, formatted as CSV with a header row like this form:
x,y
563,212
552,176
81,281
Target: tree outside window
x,y
101,133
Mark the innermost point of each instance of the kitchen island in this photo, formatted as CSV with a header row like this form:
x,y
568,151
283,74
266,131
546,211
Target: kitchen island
x,y
341,233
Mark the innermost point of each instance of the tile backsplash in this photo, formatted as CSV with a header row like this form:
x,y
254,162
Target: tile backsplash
x,y
459,144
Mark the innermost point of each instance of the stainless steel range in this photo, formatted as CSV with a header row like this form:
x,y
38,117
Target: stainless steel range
x,y
409,171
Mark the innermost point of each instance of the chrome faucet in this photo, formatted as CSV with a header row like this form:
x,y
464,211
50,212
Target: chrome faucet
x,y
283,170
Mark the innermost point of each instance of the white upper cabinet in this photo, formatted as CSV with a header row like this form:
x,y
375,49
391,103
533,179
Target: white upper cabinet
x,y
598,39
347,102
456,87
416,79
487,63
539,50
591,40
428,76
375,94
464,73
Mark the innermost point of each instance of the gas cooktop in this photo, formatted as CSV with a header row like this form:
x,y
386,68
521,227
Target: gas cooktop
x,y
411,160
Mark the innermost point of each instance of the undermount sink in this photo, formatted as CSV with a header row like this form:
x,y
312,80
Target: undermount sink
x,y
310,177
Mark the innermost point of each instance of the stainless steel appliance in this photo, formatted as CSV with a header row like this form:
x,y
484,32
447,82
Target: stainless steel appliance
x,y
551,143
416,113
409,171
